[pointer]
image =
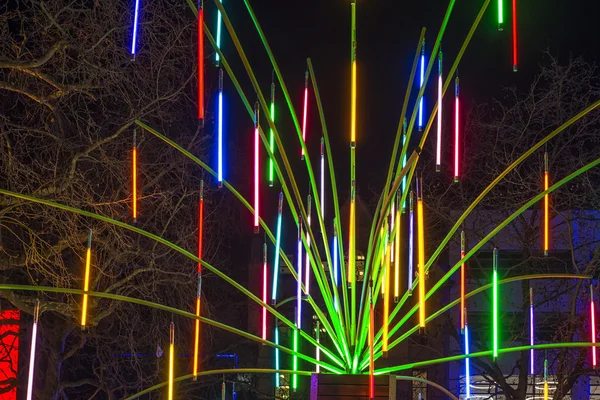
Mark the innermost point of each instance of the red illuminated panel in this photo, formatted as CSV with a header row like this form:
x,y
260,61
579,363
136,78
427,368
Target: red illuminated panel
x,y
9,353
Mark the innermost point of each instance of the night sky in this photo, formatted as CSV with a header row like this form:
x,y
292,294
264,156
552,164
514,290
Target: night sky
x,y
387,34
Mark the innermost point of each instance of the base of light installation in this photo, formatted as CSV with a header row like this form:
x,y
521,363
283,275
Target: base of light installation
x,y
351,386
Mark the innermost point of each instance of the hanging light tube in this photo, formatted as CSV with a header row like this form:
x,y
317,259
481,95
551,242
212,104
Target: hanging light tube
x,y
277,380
304,115
462,281
219,18
277,248
546,378
335,263
318,349
171,360
467,360
223,388
386,301
135,28
456,129
421,261
86,282
220,131
397,252
322,197
134,175
404,179
36,316
531,333
593,323
200,59
421,83
307,259
299,281
354,73
411,241
264,293
256,169
514,31
271,135
495,304
392,223
438,148
199,272
371,345
295,358
500,15
546,207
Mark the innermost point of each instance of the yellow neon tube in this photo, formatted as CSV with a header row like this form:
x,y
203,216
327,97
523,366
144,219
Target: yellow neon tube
x,y
171,357
421,241
86,282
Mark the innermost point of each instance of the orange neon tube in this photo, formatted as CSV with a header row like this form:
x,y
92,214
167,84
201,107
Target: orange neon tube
x,y
86,282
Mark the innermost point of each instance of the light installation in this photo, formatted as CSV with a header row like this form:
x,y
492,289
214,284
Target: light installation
x,y
546,378
404,180
421,250
352,223
276,336
220,131
264,293
392,223
500,15
593,324
462,281
317,349
218,38
271,135
546,207
467,360
295,357
200,60
322,192
171,360
135,28
456,129
386,301
421,83
531,333
307,259
438,145
495,305
305,112
277,248
256,169
514,38
371,344
397,252
411,241
86,282
36,316
335,264
299,281
134,175
199,284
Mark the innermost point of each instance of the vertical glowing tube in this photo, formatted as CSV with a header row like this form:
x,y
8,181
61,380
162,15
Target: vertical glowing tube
x,y
277,383
299,282
277,247
514,31
335,262
322,197
467,360
135,28
134,175
386,301
318,349
295,359
546,378
200,59
546,207
171,360
392,224
500,15
371,345
593,323
421,261
223,389
397,252
220,131
256,169
462,281
438,148
352,219
495,305
264,293
411,241
36,315
304,113
421,82
307,260
86,282
404,165
199,271
531,332
271,135
219,18
353,82
456,129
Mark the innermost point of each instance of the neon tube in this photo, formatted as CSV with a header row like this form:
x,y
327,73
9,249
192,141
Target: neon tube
x,y
304,113
335,263
220,131
411,240
397,253
404,165
135,27
351,257
36,316
438,148
495,305
546,378
386,302
322,197
223,389
134,175
277,382
86,282
295,358
277,247
421,82
219,18
318,350
456,129
421,262
531,333
546,207
514,29
392,222
256,169
593,315
200,60
199,271
500,15
467,362
462,281
307,260
264,293
371,347
299,281
171,359
271,135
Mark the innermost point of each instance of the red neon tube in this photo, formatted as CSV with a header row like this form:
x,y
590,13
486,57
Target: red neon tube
x,y
200,61
514,31
305,112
